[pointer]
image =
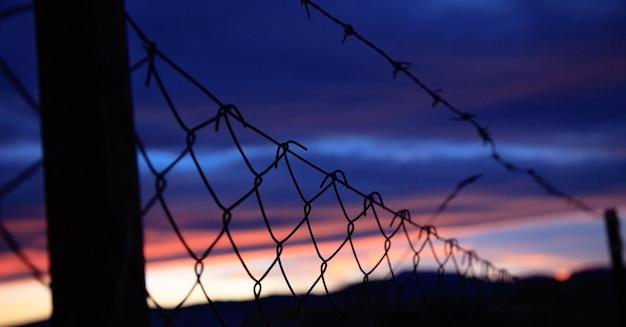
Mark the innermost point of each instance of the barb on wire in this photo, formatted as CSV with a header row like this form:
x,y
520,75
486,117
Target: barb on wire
x,y
347,31
400,66
436,97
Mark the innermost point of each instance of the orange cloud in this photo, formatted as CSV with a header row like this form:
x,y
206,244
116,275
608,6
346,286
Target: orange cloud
x,y
11,266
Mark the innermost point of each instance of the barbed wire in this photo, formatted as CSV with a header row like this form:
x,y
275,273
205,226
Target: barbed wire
x,y
459,115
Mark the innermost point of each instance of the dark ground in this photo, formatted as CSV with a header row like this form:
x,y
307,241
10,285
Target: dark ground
x,y
588,298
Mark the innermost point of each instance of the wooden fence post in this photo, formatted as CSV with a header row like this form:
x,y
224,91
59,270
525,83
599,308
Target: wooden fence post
x,y
90,171
617,263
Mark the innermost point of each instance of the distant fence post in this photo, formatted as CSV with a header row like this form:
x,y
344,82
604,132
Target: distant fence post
x,y
617,263
90,171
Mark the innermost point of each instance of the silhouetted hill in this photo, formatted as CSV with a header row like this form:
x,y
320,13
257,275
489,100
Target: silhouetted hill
x,y
426,299
587,298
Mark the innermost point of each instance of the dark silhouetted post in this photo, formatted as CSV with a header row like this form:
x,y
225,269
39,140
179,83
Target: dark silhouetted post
x,y
615,248
91,184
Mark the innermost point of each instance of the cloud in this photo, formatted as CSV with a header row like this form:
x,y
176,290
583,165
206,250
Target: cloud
x,y
362,149
366,148
22,152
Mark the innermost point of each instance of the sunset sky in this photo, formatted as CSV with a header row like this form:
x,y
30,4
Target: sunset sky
x,y
547,80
